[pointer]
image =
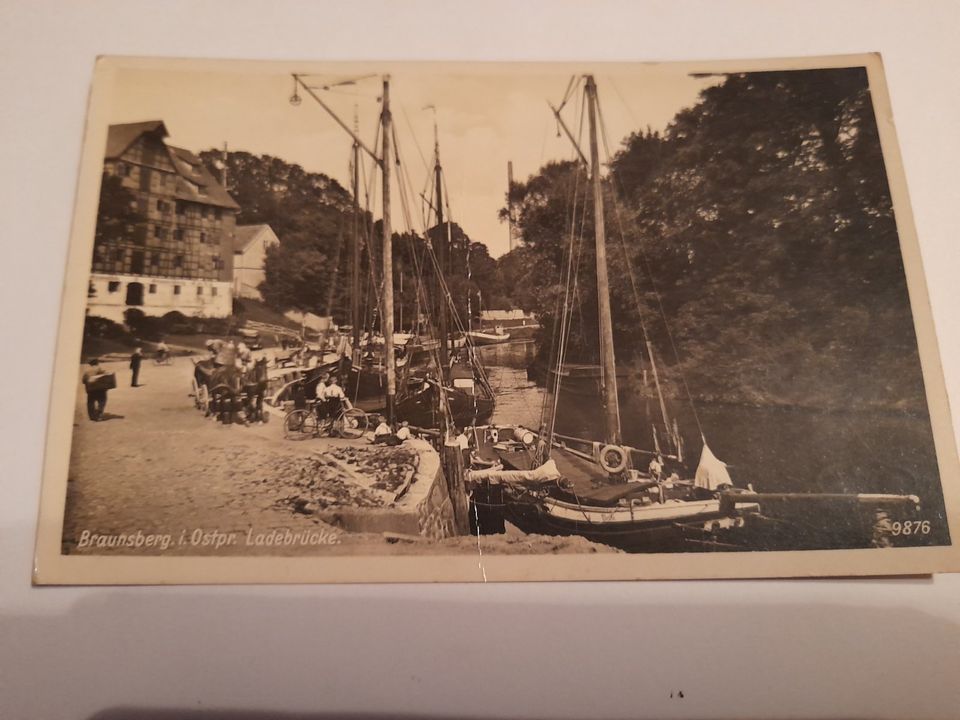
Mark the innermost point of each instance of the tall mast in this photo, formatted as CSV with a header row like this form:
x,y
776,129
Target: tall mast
x,y
441,256
510,229
609,380
224,157
386,319
355,268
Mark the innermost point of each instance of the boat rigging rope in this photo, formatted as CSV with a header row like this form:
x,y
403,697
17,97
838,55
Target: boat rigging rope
x,y
646,265
569,275
405,185
576,245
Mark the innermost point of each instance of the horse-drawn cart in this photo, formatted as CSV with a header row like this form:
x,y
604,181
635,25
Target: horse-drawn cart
x,y
229,393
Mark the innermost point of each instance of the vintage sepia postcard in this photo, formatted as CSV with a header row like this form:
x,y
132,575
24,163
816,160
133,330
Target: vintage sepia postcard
x,y
383,322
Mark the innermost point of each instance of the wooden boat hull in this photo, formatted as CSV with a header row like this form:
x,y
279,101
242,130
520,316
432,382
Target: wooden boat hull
x,y
422,408
694,526
482,338
633,516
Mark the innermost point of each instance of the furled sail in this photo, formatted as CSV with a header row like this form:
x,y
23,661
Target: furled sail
x,y
711,472
547,472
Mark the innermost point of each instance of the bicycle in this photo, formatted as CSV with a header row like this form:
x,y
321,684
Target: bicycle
x,y
303,423
163,359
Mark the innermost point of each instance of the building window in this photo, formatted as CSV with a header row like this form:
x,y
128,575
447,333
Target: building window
x,y
118,254
178,261
123,170
203,237
155,259
217,263
199,289
176,289
113,286
216,213
181,208
203,212
178,234
153,289
213,291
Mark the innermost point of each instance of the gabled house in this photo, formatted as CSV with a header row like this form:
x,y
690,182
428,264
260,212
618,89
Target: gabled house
x,y
249,255
178,255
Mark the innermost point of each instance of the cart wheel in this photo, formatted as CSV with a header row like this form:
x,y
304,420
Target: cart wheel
x,y
195,392
352,424
299,425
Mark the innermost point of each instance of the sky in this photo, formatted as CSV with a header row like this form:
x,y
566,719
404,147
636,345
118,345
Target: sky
x,y
486,115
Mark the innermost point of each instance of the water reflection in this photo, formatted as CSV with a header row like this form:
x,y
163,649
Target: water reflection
x,y
773,449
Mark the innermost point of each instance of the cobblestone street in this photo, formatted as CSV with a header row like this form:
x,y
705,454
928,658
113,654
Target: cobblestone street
x,y
158,467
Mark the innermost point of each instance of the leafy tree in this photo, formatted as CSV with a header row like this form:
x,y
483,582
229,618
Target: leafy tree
x,y
309,213
761,224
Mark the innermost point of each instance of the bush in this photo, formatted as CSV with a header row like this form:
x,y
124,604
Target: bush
x,y
145,327
176,323
100,327
175,316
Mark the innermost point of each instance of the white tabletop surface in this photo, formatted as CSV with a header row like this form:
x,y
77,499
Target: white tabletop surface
x,y
870,648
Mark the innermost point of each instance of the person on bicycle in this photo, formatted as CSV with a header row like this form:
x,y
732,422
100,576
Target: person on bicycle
x,y
332,398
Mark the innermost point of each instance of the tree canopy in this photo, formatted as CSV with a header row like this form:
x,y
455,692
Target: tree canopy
x,y
761,222
310,269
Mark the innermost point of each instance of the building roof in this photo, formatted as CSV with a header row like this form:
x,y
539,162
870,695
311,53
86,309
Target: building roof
x,y
201,187
246,234
121,137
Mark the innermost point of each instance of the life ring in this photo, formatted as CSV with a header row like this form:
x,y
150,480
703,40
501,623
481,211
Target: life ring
x,y
613,459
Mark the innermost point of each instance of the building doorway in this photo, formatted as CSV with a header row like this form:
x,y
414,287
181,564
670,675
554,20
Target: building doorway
x,y
134,293
136,262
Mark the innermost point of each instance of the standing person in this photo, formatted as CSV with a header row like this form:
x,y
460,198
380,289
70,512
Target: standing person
x,y
96,397
463,442
135,360
332,397
656,468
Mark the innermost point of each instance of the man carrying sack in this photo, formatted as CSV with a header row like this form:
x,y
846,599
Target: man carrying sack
x,y
97,381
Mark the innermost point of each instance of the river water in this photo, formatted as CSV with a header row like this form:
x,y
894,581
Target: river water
x,y
773,449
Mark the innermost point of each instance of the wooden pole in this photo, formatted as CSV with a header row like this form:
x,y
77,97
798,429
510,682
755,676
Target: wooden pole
x,y
386,321
656,382
223,172
355,269
573,140
356,138
510,228
441,260
611,402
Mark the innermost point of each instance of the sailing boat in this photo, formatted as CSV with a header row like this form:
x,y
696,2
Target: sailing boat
x,y
459,388
606,491
481,337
